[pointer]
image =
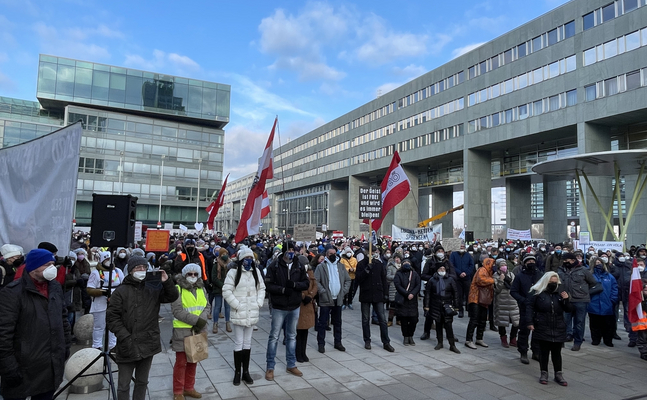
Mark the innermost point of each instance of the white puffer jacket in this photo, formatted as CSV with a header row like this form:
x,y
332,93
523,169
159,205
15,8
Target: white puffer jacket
x,y
245,299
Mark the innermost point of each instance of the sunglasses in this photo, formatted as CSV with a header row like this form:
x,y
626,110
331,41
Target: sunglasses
x,y
192,274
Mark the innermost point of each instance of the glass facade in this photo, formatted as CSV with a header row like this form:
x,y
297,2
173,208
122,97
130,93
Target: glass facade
x,y
83,82
150,135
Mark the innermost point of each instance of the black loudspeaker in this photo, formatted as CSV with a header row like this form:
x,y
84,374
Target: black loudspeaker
x,y
113,220
469,236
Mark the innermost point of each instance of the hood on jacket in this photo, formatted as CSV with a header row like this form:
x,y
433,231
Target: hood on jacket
x,y
488,263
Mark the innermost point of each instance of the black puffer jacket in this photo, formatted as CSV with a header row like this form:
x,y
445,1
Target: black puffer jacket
x,y
276,283
520,289
434,301
132,316
546,311
34,336
405,287
373,286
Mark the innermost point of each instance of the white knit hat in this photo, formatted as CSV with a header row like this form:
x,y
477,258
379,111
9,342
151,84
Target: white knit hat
x,y
10,250
245,252
192,267
103,256
72,256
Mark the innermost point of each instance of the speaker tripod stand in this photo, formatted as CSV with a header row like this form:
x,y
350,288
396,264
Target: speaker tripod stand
x,y
105,350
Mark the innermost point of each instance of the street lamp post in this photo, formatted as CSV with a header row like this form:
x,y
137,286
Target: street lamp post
x,y
197,202
310,217
287,217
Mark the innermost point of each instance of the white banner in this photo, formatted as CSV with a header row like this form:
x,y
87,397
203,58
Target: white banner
x,y
518,235
38,185
604,246
432,234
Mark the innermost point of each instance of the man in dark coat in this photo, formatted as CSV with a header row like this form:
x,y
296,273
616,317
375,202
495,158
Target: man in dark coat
x,y
464,265
34,331
520,290
373,291
132,315
438,260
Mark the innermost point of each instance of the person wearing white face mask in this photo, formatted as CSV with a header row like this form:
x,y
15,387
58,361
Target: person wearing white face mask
x,y
35,336
441,296
132,316
98,289
121,259
190,315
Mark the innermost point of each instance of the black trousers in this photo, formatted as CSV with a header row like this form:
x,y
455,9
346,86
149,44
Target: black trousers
x,y
463,292
550,349
513,331
524,334
302,343
602,328
445,322
348,299
478,320
408,325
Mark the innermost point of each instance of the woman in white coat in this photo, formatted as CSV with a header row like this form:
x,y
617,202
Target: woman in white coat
x,y
244,291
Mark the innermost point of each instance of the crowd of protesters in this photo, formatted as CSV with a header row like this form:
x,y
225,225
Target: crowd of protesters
x,y
536,295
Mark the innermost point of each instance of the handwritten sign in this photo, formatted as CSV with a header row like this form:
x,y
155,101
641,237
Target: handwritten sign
x,y
370,202
157,240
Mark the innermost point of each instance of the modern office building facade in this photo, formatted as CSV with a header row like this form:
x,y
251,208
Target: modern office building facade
x,y
155,136
572,81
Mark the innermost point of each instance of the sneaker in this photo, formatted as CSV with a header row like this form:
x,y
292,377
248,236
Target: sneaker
x,y
367,345
294,371
350,306
543,379
340,347
228,326
215,328
387,347
255,327
269,375
524,358
481,343
470,344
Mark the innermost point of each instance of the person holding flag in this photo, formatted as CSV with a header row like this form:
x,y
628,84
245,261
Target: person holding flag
x,y
395,187
638,305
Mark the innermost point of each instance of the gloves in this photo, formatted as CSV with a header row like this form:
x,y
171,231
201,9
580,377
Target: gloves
x,y
307,300
105,292
12,380
200,325
290,284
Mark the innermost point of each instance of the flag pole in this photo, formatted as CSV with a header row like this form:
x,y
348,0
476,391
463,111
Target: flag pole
x,y
370,242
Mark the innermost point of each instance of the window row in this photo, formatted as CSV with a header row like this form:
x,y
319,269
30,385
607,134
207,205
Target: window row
x,y
616,46
609,12
21,132
91,165
617,84
430,138
376,134
432,89
436,112
285,167
334,149
372,155
110,146
538,75
524,111
145,191
544,40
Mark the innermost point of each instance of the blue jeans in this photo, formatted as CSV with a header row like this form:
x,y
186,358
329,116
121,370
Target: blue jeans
x,y
215,312
576,321
278,317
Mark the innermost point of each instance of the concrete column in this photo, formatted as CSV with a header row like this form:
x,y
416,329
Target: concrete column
x,y
443,200
354,182
338,198
554,209
477,177
423,205
518,203
593,138
406,212
637,230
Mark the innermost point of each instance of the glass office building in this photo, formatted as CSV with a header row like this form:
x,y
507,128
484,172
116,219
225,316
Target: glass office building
x,y
146,134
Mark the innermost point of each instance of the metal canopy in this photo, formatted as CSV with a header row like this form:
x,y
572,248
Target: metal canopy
x,y
606,163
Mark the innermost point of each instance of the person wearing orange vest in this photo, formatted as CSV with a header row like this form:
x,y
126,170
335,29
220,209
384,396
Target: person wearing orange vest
x,y
640,326
190,312
191,255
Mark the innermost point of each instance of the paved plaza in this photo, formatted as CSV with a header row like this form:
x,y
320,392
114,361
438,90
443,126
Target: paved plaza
x,y
410,373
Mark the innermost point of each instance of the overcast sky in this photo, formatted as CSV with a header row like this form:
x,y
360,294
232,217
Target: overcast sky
x,y
307,62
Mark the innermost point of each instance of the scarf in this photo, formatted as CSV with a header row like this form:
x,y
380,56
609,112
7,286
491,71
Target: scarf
x,y
334,285
440,286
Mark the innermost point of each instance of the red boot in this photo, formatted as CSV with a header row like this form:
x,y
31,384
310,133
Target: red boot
x,y
513,341
504,341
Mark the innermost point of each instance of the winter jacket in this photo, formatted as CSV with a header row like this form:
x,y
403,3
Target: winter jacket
x,y
34,336
604,303
622,272
506,309
350,264
279,282
132,316
546,311
407,282
218,274
308,311
434,302
576,281
371,279
482,278
391,269
323,283
432,265
246,299
463,263
180,313
553,262
520,289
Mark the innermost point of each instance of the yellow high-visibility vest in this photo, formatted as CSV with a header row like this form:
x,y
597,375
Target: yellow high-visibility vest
x,y
192,304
